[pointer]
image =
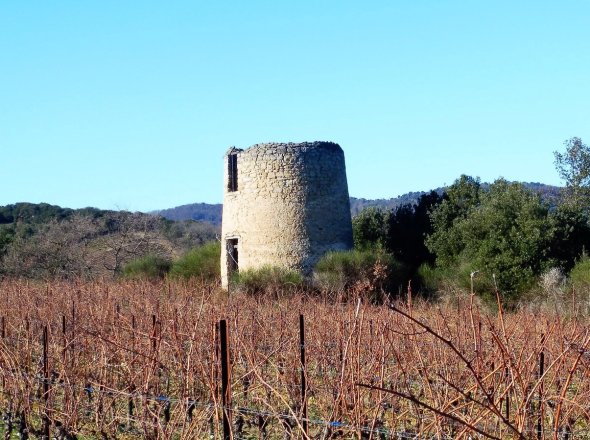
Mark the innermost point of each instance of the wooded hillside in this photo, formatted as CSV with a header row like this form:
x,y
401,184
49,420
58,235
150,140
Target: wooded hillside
x,y
45,241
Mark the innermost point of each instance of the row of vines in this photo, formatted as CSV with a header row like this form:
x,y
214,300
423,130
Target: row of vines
x,y
142,360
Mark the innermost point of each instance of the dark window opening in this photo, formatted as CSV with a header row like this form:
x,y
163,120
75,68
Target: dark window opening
x,y
232,254
232,172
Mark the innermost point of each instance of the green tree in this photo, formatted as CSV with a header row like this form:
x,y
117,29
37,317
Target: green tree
x,y
408,226
369,229
580,273
570,235
7,233
506,235
446,240
573,167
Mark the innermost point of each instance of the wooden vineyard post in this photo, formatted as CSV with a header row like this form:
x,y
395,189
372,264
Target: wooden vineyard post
x,y
507,398
303,378
541,372
225,379
508,406
154,333
73,336
45,426
132,388
3,335
217,358
64,360
133,332
64,339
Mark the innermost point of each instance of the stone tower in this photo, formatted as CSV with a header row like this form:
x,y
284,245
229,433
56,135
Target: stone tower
x,y
284,205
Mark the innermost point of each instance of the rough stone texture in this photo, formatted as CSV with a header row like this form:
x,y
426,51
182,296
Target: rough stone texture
x,y
291,206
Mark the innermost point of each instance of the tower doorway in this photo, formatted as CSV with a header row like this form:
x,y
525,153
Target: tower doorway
x,y
232,255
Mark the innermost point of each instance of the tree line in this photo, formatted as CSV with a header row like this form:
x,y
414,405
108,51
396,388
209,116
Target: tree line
x,y
503,236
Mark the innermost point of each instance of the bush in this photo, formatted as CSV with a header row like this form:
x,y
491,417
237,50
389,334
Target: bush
x,y
431,278
580,274
552,282
358,272
149,267
267,280
435,279
441,280
201,262
369,229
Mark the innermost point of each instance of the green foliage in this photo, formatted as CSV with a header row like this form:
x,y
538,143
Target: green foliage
x,y
149,267
580,273
369,229
267,280
504,232
431,277
201,262
573,167
407,227
570,235
397,236
446,239
7,233
359,271
33,213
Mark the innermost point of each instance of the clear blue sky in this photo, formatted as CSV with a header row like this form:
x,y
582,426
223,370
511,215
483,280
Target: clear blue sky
x,y
132,104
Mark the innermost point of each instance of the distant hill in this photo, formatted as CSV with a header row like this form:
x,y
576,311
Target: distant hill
x,y
204,212
357,205
39,213
211,213
548,193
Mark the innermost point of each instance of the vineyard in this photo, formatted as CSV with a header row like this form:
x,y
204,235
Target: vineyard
x,y
184,361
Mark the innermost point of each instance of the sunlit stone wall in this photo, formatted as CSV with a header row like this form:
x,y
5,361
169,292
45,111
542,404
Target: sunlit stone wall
x,y
289,207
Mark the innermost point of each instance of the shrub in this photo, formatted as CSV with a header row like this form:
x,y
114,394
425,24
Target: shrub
x,y
580,274
430,278
267,280
369,229
201,262
552,282
358,272
440,280
150,267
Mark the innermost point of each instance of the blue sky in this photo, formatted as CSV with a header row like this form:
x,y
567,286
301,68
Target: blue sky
x,y
131,105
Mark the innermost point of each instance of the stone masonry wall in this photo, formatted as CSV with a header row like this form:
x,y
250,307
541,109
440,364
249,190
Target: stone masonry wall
x,y
291,205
